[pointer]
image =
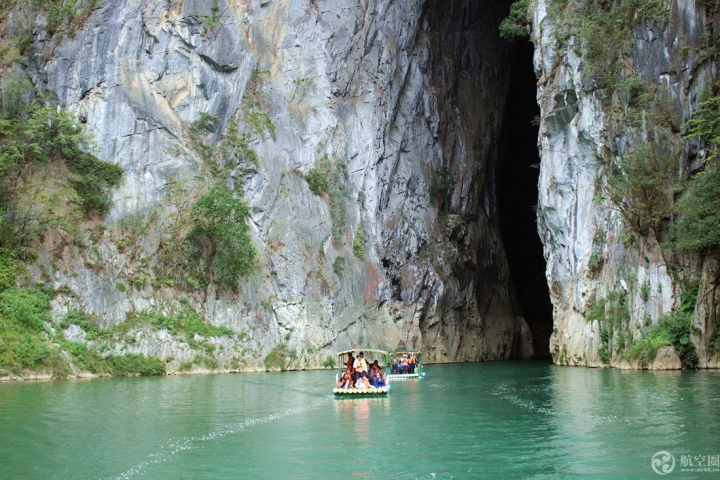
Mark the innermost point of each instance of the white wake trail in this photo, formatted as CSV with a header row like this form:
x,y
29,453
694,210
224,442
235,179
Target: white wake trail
x,y
175,446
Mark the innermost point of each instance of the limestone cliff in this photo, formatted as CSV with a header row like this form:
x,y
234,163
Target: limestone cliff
x,y
609,285
402,100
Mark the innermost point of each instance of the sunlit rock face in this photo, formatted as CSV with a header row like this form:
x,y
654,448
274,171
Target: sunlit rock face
x,y
577,223
406,99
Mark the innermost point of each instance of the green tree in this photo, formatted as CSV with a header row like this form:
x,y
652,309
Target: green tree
x,y
7,270
517,23
359,243
641,188
48,174
329,178
671,329
705,123
320,176
221,234
698,227
23,313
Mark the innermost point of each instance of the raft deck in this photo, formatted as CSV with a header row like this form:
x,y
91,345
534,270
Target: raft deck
x,y
404,376
361,391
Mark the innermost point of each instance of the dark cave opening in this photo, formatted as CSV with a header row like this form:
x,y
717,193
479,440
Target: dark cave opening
x,y
517,189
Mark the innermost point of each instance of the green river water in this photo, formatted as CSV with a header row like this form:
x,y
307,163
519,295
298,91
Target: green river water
x,y
487,420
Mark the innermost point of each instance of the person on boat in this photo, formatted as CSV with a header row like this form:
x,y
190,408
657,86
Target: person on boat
x,y
412,363
395,366
346,380
351,361
373,372
360,367
381,380
379,376
363,382
404,365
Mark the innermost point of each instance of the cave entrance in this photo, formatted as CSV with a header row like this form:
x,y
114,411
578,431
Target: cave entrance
x,y
517,190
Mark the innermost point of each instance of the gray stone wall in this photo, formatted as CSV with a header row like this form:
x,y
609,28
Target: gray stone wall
x,y
396,91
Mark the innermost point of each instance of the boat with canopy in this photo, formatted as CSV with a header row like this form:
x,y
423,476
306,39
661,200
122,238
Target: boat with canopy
x,y
406,365
373,381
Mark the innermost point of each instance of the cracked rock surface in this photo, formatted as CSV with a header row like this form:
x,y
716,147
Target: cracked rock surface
x,y
408,95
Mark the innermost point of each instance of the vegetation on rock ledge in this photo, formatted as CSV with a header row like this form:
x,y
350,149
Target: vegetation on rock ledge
x,y
28,343
329,178
48,176
517,24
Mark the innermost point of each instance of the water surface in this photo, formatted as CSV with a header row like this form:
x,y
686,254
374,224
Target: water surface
x,y
489,420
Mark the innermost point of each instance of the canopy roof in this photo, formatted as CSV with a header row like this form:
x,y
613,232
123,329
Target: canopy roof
x,y
358,350
416,352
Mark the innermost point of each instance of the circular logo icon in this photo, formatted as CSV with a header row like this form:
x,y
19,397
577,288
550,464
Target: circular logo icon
x,y
663,462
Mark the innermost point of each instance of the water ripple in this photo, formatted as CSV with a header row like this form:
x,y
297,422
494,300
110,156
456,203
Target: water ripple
x,y
175,446
511,394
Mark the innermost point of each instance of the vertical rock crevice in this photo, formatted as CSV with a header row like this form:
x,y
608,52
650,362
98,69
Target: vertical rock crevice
x,y
517,193
469,71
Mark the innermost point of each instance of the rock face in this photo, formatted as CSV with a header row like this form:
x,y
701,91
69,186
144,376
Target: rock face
x,y
404,97
591,255
666,359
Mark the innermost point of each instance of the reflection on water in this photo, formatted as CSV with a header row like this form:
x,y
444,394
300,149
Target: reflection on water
x,y
508,420
355,418
356,414
603,421
411,398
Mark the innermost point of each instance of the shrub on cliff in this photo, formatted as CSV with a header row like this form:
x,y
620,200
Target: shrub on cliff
x,y
7,270
134,364
329,178
641,188
276,359
517,24
671,329
24,308
48,176
317,178
26,344
646,348
184,321
698,227
339,266
442,187
612,314
604,30
23,314
329,362
705,124
221,235
359,244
